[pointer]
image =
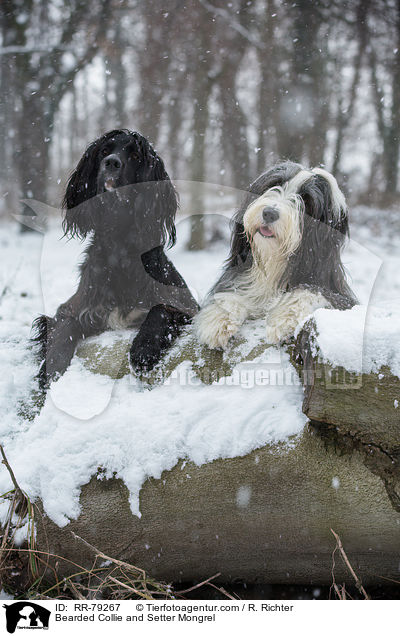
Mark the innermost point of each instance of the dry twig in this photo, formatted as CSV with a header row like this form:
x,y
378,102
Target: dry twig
x,y
342,594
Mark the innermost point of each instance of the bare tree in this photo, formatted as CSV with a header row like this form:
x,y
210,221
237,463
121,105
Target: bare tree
x,y
388,119
52,47
176,72
346,111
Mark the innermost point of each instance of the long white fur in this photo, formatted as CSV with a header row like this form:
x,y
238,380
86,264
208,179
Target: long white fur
x,y
256,292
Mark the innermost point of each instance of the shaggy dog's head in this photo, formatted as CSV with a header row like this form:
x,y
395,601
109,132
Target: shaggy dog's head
x,y
276,221
292,225
128,178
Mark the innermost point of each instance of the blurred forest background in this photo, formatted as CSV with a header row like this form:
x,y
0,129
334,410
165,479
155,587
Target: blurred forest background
x,y
222,89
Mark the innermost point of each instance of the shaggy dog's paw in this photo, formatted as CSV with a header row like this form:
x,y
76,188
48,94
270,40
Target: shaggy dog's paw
x,y
219,336
214,326
276,334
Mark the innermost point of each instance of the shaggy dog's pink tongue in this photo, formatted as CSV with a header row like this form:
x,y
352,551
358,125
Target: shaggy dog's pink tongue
x,y
265,231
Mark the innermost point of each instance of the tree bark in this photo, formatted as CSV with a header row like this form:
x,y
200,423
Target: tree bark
x,y
345,117
201,90
389,130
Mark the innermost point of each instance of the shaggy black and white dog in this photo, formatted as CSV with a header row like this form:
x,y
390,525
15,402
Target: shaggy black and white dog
x,y
121,195
285,256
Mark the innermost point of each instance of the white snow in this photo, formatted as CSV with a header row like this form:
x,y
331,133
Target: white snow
x,y
335,483
92,425
141,433
362,339
243,496
367,337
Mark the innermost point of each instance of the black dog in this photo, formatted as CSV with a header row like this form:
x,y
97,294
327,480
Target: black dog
x,y
121,192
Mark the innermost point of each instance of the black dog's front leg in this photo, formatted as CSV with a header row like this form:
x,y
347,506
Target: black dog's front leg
x,y
161,327
57,338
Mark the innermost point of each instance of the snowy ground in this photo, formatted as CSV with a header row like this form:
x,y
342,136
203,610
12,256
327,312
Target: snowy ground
x,y
139,433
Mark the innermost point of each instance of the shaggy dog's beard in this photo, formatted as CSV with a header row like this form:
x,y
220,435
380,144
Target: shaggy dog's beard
x,y
273,243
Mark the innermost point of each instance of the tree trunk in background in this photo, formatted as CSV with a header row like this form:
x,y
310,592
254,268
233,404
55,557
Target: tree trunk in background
x,y
105,111
269,89
122,119
41,78
15,76
154,59
174,114
393,133
32,152
388,126
235,142
345,116
115,110
201,90
301,130
74,127
234,126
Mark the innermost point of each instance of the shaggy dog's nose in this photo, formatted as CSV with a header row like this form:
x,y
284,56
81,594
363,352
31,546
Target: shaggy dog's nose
x,y
270,215
112,163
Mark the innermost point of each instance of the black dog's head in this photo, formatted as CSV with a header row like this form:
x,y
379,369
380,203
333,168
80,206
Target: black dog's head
x,y
118,159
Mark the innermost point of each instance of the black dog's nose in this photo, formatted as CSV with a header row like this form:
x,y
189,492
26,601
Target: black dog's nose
x,y
112,163
270,215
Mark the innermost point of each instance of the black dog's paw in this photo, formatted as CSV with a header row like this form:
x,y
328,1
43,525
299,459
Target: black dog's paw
x,y
143,357
156,335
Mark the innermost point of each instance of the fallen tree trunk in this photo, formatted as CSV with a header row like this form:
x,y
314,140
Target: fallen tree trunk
x,y
265,517
362,405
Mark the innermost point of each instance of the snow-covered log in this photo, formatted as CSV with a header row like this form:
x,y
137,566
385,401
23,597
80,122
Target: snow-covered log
x,y
350,365
265,517
243,485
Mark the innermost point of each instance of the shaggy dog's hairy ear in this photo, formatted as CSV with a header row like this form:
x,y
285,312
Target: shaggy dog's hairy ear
x,y
319,203
317,260
81,186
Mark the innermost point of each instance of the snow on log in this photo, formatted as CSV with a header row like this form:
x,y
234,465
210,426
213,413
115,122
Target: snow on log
x,y
209,464
351,373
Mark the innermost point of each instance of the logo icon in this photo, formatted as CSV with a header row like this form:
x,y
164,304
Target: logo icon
x,y
26,615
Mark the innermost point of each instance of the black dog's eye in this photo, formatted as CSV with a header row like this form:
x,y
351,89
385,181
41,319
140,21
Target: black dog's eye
x,y
104,152
132,151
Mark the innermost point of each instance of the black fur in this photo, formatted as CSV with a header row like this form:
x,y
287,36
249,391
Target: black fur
x,y
316,264
120,192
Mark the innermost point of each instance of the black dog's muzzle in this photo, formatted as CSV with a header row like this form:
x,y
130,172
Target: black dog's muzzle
x,y
109,173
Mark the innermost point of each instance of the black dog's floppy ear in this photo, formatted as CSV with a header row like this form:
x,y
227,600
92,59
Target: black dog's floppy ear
x,y
166,200
81,187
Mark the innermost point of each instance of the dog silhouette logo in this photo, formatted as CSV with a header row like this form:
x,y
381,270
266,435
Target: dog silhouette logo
x,y
26,615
